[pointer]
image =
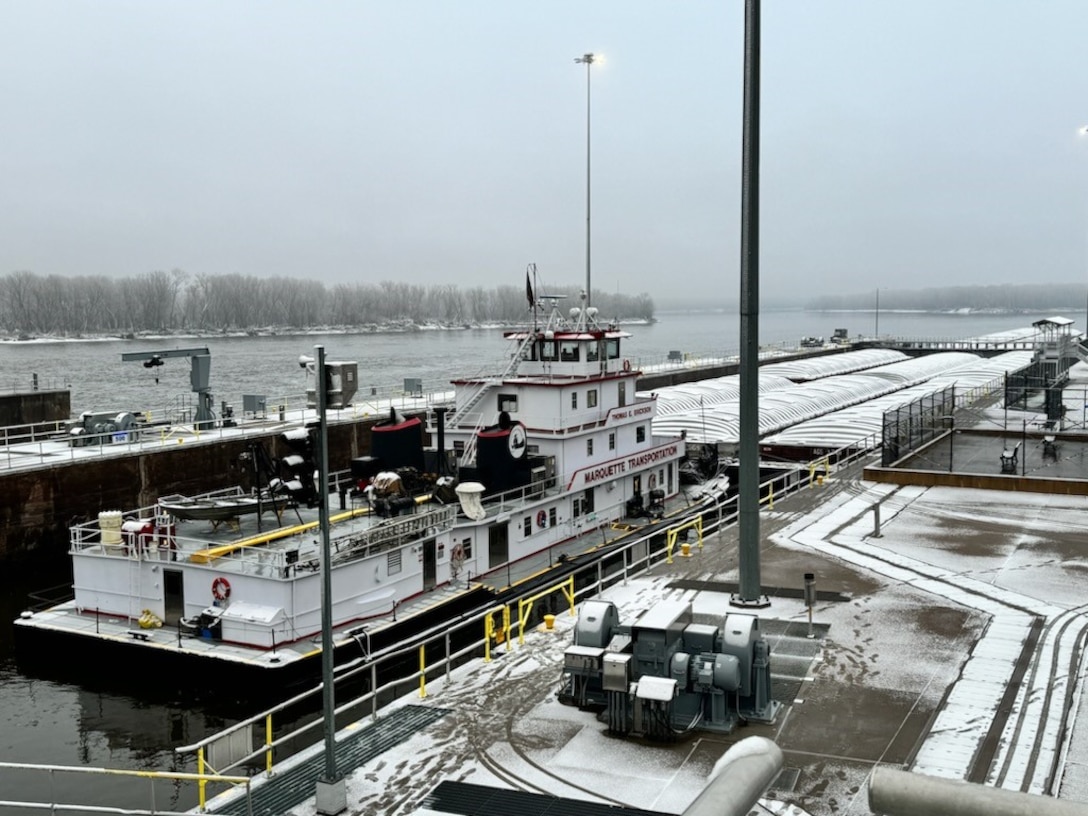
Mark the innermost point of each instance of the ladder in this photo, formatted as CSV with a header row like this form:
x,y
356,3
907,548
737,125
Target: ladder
x,y
469,454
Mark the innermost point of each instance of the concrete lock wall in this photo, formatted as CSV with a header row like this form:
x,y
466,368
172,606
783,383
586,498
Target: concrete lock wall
x,y
38,506
35,406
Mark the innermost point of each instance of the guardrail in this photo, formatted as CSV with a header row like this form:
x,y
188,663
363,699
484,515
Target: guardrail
x,y
434,653
202,779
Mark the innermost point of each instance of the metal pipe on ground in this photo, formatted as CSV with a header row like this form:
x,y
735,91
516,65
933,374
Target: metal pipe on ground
x,y
739,779
900,793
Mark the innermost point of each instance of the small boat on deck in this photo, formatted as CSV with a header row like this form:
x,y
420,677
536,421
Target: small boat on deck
x,y
549,458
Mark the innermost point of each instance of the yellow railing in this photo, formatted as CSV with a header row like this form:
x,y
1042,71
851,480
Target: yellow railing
x,y
525,605
674,532
500,634
200,777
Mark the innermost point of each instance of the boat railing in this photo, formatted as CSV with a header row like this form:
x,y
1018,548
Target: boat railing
x,y
437,651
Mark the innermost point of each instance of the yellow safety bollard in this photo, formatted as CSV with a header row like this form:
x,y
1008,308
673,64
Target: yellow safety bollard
x,y
549,622
820,480
685,550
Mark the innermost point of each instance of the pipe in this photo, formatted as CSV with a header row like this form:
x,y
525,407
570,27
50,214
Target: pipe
x,y
900,793
739,779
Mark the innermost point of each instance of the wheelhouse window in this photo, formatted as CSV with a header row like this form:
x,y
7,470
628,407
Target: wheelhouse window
x,y
508,403
612,347
548,350
568,352
593,352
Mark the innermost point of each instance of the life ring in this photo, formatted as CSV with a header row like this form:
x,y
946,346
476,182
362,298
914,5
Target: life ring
x,y
653,481
221,588
626,365
541,519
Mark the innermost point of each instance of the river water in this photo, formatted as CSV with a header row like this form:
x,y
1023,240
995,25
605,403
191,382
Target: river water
x,y
53,721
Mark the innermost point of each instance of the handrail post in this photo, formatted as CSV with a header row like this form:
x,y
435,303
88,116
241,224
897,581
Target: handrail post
x,y
422,671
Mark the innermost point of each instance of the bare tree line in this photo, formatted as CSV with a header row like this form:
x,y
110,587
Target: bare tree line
x,y
175,301
998,297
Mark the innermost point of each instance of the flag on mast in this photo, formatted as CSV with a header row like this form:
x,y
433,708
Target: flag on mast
x,y
529,290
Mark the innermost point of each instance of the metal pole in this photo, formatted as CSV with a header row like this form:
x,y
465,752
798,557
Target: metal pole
x,y
749,592
951,438
588,60
876,327
331,790
739,778
901,793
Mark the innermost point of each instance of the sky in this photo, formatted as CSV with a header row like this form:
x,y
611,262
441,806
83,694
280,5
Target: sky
x,y
904,144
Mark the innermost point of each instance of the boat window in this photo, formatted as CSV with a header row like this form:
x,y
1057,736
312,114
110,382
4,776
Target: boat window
x,y
551,516
392,562
591,398
466,547
547,350
574,399
589,447
640,433
527,526
459,448
568,352
593,352
623,393
613,347
508,403
612,441
587,501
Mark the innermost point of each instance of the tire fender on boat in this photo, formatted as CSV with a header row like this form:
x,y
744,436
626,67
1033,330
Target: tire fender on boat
x,y
221,588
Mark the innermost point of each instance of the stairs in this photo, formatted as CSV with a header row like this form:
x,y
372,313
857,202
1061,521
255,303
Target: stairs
x,y
482,390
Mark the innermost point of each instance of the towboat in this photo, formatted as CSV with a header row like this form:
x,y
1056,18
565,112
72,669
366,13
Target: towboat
x,y
550,458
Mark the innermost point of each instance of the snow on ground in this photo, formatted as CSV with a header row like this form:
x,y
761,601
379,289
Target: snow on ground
x,y
953,584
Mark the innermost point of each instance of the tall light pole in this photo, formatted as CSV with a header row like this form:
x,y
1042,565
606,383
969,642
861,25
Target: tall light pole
x,y
1082,132
587,60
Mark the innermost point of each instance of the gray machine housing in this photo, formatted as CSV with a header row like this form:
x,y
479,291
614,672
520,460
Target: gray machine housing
x,y
666,675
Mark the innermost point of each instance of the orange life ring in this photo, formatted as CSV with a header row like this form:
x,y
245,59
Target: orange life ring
x,y
626,365
221,588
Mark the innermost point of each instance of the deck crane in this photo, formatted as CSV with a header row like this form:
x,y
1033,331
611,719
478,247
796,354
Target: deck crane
x,y
200,360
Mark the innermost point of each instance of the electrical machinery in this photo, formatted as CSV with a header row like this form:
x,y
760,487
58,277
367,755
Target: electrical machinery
x,y
666,675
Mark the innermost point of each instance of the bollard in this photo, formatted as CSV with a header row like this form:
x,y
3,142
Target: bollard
x,y
549,622
685,550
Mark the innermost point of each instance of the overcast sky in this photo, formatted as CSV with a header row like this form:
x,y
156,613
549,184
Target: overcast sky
x,y
905,144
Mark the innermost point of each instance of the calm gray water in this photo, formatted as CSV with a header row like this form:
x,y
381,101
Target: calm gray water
x,y
47,721
268,366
